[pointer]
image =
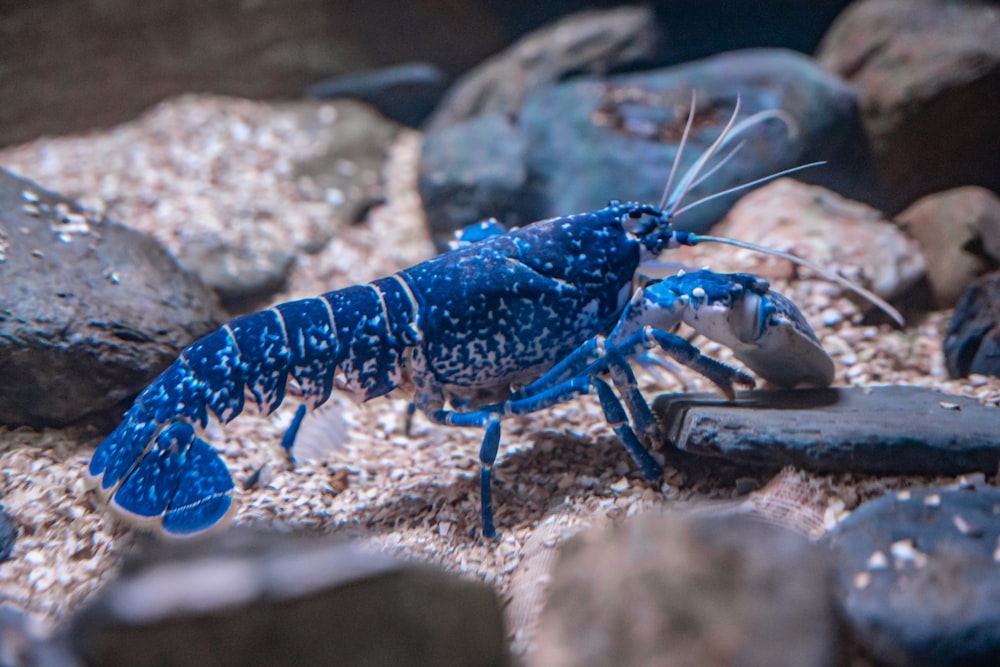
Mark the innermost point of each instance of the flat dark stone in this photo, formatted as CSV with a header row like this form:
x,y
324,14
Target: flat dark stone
x,y
917,576
877,430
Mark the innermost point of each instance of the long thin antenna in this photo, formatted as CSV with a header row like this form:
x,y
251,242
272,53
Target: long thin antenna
x,y
829,275
720,164
680,149
692,172
750,184
670,202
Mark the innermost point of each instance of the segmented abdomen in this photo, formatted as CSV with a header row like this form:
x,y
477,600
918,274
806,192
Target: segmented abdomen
x,y
155,467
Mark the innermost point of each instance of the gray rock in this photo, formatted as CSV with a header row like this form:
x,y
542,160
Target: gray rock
x,y
287,599
917,576
594,41
928,72
875,430
957,230
972,342
595,139
470,172
242,279
404,93
22,644
669,590
90,311
592,140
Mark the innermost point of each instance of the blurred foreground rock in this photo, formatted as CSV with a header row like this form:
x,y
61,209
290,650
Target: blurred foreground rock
x,y
663,589
918,576
90,310
296,600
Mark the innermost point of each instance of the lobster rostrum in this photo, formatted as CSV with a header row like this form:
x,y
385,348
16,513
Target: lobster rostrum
x,y
509,323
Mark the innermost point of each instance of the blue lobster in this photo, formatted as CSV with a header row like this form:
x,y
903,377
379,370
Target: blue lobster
x,y
508,323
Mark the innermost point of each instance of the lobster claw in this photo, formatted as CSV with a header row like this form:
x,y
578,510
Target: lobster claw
x,y
763,328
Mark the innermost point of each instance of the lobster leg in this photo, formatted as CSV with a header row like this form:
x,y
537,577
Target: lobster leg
x,y
488,418
570,366
615,415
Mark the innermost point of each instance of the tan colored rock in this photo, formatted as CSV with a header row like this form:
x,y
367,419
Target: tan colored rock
x,y
952,227
819,225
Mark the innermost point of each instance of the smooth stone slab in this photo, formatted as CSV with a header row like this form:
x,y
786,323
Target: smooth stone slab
x,y
878,430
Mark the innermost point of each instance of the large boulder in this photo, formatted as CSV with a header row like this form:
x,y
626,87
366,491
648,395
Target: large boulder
x,y
90,310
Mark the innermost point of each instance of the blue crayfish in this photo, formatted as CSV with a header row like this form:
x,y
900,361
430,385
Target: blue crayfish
x,y
510,323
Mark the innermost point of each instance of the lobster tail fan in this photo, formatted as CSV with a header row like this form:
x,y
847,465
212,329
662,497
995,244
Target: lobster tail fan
x,y
153,467
180,482
204,495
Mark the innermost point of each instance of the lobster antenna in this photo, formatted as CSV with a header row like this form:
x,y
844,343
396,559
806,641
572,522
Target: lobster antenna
x,y
829,275
693,170
718,165
743,186
731,131
680,149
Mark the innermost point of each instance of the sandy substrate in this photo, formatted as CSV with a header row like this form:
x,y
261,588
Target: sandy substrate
x,y
199,165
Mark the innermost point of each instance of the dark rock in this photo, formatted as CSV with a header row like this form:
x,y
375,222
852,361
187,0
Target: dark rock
x,y
470,172
404,93
90,310
952,229
8,534
972,343
875,430
270,599
93,63
917,576
925,69
595,139
668,590
595,42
